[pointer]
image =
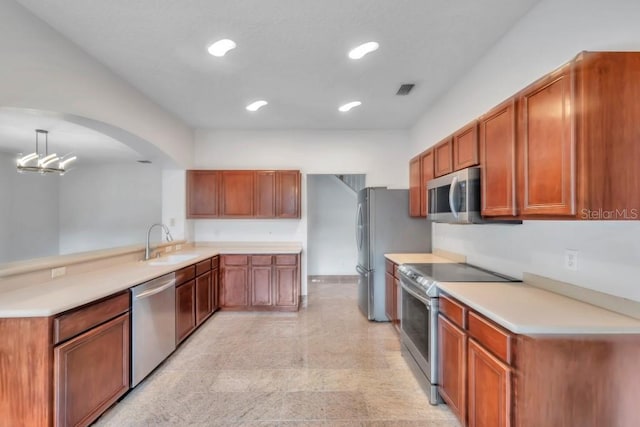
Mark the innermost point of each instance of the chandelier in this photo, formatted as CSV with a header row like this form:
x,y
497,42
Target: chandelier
x,y
43,162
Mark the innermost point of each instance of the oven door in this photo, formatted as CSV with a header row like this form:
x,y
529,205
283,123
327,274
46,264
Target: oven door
x,y
418,326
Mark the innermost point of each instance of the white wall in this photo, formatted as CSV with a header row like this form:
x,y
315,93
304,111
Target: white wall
x,y
381,155
28,213
331,211
44,71
109,205
552,33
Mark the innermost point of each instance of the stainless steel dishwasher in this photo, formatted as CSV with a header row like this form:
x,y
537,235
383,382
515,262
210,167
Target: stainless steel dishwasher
x,y
153,325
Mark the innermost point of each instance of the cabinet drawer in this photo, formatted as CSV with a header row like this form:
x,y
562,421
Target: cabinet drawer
x,y
453,311
215,262
396,273
235,260
77,321
261,260
286,259
491,336
203,266
389,266
185,274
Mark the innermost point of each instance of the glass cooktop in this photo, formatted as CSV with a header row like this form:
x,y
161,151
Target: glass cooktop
x,y
425,277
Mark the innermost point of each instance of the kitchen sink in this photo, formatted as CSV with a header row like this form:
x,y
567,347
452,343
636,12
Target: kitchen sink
x,y
172,259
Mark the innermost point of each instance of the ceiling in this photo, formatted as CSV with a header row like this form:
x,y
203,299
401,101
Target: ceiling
x,y
292,53
17,135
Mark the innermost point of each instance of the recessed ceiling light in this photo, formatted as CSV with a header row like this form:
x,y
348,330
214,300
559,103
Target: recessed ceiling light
x,y
363,49
255,106
348,106
221,47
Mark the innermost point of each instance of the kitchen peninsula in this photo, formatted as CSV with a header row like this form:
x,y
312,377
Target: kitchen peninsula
x,y
66,357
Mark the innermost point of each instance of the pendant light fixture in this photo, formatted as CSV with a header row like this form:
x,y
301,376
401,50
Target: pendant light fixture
x,y
43,162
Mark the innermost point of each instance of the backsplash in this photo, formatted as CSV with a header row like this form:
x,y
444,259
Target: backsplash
x,y
608,252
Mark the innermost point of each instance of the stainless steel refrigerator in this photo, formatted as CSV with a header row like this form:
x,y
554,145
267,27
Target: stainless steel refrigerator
x,y
383,225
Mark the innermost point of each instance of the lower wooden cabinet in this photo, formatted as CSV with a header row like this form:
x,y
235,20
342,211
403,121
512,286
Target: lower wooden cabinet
x,y
392,294
204,305
260,282
91,371
489,389
185,310
452,375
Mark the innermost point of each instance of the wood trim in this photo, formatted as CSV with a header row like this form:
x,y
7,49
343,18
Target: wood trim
x,y
493,337
77,321
26,371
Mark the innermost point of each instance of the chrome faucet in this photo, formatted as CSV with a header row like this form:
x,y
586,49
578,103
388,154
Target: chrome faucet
x,y
167,233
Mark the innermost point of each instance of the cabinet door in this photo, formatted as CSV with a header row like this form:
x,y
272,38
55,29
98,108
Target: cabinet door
x,y
498,160
265,202
288,194
203,297
428,173
91,372
236,193
185,310
452,362
489,389
286,286
215,289
465,147
233,286
415,177
547,179
261,285
443,153
388,297
202,194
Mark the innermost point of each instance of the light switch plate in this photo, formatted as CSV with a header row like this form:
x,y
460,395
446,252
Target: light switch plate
x,y
571,259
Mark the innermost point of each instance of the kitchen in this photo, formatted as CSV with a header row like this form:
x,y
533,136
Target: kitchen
x,y
537,44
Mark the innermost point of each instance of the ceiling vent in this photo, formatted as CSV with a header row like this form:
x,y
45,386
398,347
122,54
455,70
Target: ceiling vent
x,y
405,89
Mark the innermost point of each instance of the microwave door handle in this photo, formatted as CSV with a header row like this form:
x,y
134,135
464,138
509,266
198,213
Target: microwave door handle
x,y
452,196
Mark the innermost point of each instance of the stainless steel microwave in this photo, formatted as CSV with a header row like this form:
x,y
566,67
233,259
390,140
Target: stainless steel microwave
x,y
455,198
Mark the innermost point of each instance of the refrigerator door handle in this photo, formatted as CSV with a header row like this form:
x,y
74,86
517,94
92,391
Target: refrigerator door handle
x,y
359,226
361,270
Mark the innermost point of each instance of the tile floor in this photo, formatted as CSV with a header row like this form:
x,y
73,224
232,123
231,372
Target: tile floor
x,y
323,366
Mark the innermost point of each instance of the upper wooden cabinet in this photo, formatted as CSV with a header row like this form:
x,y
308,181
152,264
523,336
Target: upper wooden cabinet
x,y
288,194
243,194
428,173
465,147
202,194
547,144
415,177
265,203
443,152
237,191
498,160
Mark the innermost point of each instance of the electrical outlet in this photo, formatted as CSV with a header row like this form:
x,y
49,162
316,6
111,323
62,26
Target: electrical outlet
x,y
172,222
571,260
57,272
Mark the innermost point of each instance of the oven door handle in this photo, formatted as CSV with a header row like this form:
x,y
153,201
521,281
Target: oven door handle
x,y
415,294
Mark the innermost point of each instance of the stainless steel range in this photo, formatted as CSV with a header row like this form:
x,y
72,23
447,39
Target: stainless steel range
x,y
419,314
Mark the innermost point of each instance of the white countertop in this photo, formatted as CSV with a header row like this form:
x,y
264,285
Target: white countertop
x,y
528,310
67,292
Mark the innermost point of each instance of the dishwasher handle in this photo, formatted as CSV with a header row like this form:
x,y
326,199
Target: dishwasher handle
x,y
153,291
